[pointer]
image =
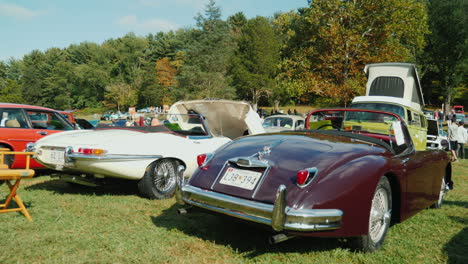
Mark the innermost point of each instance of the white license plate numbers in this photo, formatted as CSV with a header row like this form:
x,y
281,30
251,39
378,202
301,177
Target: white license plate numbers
x,y
56,157
244,179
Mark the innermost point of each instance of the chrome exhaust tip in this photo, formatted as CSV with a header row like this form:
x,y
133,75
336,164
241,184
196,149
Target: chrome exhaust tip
x,y
275,239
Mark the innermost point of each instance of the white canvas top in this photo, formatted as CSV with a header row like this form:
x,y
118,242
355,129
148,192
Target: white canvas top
x,y
412,93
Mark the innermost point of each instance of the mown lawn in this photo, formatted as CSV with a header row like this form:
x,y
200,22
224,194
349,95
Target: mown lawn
x,y
114,225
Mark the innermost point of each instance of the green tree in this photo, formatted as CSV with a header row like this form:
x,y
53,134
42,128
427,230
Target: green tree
x,y
254,64
204,73
446,59
329,43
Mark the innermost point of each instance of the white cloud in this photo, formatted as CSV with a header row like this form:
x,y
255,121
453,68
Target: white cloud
x,y
133,23
17,11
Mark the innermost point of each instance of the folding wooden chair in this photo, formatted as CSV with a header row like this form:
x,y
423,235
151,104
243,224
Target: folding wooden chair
x,y
16,175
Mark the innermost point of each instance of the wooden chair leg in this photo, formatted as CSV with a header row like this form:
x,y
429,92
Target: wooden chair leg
x,y
22,207
13,189
13,195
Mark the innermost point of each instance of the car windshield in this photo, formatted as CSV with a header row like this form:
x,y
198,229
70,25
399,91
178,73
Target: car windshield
x,y
387,129
278,121
381,107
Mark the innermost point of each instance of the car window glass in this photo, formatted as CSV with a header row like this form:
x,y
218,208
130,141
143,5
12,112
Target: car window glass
x,y
48,120
416,120
13,118
381,107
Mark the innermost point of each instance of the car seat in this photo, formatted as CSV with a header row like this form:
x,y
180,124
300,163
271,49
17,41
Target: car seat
x,y
12,123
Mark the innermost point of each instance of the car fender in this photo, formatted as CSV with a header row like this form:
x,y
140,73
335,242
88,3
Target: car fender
x,y
350,188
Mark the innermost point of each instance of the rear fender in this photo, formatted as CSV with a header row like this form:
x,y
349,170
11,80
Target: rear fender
x,y
349,188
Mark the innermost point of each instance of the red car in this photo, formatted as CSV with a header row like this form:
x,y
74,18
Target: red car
x,y
22,124
351,180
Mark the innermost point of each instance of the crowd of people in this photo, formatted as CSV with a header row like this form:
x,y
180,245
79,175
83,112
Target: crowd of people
x,y
458,137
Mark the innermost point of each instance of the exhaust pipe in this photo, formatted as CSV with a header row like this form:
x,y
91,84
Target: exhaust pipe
x,y
275,239
182,211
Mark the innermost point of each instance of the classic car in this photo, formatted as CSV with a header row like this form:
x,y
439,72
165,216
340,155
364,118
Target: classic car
x,y
458,109
150,155
113,116
435,135
395,87
84,124
22,124
350,182
277,123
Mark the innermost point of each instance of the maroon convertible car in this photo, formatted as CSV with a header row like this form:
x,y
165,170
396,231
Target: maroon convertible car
x,y
351,176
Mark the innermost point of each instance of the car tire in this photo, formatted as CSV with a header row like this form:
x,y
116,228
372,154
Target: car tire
x,y
442,192
159,181
379,219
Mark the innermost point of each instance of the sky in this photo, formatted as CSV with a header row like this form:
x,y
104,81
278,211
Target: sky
x,y
26,25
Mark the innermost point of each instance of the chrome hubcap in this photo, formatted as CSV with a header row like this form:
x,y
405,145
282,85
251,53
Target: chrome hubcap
x,y
379,216
164,176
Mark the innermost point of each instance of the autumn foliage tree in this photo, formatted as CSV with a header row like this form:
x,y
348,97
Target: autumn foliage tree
x,y
166,77
330,42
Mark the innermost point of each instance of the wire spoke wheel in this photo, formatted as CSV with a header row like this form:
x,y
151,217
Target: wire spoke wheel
x,y
164,176
377,222
159,181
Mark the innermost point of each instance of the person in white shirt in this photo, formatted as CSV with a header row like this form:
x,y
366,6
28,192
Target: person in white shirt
x,y
462,139
452,137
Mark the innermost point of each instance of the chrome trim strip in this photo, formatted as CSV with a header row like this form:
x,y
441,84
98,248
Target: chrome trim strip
x,y
252,163
219,174
304,220
112,157
265,174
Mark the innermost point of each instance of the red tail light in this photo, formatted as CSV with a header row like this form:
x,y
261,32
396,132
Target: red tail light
x,y
301,177
90,151
201,159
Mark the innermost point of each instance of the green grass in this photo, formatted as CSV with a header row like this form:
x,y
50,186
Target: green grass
x,y
113,224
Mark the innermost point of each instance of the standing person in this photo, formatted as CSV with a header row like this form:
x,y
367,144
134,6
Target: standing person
x,y
452,137
462,139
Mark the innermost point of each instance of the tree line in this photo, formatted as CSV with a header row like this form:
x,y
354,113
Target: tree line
x,y
312,55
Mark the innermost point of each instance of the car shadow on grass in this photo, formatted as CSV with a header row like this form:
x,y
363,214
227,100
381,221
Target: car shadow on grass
x,y
456,247
463,204
250,240
61,187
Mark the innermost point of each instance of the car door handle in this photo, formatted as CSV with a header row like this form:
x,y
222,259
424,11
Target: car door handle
x,y
42,133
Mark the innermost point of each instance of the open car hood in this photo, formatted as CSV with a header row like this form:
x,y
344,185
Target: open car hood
x,y
224,117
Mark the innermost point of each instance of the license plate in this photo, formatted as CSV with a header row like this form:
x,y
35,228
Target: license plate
x,y
244,179
55,157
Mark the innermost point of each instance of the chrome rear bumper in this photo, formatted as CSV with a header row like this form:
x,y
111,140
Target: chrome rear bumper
x,y
278,216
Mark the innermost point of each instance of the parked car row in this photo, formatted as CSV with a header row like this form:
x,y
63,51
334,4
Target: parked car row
x,y
350,173
337,173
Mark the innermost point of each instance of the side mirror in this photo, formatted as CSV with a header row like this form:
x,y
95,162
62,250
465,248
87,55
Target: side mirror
x,y
445,144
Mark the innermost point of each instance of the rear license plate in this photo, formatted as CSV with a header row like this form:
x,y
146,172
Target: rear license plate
x,y
244,179
55,157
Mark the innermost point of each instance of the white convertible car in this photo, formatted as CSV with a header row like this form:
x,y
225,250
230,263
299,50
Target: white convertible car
x,y
153,155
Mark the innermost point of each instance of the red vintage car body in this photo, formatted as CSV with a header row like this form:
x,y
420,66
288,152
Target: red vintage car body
x,y
16,138
348,166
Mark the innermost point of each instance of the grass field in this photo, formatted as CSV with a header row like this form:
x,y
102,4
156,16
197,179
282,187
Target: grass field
x,y
113,224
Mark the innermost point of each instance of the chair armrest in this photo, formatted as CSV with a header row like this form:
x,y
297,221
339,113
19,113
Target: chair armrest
x,y
3,153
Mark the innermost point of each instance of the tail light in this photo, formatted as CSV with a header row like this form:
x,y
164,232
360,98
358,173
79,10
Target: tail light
x,y
301,177
91,151
203,159
304,177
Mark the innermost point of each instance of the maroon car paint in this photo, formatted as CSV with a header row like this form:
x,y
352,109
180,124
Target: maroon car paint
x,y
348,172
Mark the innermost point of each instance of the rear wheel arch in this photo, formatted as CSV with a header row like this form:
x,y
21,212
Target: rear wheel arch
x,y
159,179
396,196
